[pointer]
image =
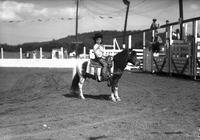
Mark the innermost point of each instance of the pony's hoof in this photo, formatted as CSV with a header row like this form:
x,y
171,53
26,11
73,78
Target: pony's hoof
x,y
118,99
82,97
112,99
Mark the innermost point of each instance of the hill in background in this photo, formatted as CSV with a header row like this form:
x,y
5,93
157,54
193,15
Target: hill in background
x,y
86,40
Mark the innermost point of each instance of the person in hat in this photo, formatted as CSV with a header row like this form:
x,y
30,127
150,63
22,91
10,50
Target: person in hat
x,y
157,43
167,30
154,25
98,49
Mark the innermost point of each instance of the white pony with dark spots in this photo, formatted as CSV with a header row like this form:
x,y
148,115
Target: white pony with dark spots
x,y
120,61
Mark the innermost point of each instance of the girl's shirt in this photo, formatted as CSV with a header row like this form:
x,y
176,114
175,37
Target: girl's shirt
x,y
98,50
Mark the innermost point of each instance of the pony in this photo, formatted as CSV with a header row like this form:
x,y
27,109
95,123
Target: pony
x,y
120,61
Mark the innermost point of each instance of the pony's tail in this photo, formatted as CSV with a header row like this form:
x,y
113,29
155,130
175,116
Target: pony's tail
x,y
75,80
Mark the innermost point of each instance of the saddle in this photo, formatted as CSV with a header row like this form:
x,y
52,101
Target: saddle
x,y
94,69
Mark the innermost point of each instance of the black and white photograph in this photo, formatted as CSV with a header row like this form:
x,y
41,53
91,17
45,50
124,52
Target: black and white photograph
x,y
99,69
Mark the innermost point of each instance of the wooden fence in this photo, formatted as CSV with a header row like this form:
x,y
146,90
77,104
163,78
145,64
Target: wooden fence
x,y
175,56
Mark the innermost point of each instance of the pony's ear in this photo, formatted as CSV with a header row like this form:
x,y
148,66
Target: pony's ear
x,y
130,50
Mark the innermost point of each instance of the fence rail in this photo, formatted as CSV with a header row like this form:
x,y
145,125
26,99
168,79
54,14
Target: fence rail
x,y
41,63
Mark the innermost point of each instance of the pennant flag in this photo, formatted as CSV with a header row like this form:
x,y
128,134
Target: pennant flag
x,y
126,2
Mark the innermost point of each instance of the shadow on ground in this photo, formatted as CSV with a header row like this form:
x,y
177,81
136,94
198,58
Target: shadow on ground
x,y
96,97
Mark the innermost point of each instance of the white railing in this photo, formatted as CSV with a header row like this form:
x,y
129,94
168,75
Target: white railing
x,y
41,63
140,53
60,63
109,52
51,63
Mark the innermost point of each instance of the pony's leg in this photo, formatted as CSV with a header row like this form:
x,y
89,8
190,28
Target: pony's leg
x,y
112,96
116,94
80,84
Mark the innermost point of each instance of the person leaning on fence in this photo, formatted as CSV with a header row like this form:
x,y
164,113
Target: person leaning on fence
x,y
156,40
157,43
176,35
167,30
98,49
154,25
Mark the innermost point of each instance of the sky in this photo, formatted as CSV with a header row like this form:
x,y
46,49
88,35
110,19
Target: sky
x,y
44,20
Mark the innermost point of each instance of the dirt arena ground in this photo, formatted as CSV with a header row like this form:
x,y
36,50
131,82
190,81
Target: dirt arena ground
x,y
36,104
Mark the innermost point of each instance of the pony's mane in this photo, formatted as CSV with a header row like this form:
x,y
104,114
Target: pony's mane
x,y
121,58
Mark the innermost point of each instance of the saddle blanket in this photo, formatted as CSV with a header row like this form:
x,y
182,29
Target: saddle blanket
x,y
95,69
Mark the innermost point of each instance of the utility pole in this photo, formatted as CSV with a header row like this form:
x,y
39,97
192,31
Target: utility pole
x,y
77,3
127,3
181,18
76,32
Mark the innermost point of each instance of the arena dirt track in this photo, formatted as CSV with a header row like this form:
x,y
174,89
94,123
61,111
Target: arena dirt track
x,y
36,104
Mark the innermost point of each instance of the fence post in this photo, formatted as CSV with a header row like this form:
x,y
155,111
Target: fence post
x,y
170,35
124,46
129,41
167,42
185,30
114,43
144,52
20,51
153,39
194,48
62,53
40,52
170,49
2,53
84,51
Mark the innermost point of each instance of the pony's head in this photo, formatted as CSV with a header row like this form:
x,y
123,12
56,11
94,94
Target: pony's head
x,y
132,57
122,58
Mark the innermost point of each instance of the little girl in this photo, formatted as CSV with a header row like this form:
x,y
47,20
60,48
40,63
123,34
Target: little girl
x,y
98,52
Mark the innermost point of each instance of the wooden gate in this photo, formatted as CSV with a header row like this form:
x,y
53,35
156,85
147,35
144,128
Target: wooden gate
x,y
161,60
181,57
180,53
